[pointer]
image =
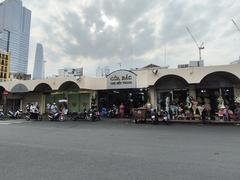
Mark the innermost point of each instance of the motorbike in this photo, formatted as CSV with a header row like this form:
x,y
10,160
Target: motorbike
x,y
54,116
79,115
2,115
165,116
93,115
154,117
15,115
113,112
32,113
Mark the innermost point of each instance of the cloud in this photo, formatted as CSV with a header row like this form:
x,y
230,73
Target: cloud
x,y
90,33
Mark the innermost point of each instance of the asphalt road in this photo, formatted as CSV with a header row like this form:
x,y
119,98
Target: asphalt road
x,y
118,150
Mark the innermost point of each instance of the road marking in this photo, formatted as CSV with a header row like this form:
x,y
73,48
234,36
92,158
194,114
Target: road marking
x,y
12,122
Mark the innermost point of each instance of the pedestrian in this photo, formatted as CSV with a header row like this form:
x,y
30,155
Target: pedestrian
x,y
121,110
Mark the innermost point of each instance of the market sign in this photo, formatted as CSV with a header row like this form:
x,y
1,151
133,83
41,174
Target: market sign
x,y
122,79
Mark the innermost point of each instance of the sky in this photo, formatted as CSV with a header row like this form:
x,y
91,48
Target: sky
x,y
135,33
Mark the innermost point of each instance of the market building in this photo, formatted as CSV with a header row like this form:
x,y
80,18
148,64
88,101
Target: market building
x,y
133,88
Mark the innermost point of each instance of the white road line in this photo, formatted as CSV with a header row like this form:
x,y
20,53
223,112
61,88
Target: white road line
x,y
12,122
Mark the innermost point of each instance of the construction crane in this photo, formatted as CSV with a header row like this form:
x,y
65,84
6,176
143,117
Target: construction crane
x,y
236,25
200,48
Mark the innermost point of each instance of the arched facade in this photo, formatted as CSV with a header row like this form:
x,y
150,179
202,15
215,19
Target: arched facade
x,y
171,82
170,86
19,88
43,87
219,79
69,86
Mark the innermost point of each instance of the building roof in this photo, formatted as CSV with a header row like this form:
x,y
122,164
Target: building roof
x,y
151,66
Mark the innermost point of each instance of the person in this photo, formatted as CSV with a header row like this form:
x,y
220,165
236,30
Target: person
x,y
121,110
149,108
54,108
167,107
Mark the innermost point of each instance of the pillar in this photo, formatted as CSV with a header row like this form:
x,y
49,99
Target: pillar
x,y
236,91
192,91
152,95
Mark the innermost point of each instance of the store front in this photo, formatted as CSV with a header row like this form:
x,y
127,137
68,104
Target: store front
x,y
14,99
215,85
38,96
122,88
173,87
78,99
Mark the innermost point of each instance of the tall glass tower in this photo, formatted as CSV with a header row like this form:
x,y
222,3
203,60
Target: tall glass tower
x,y
15,21
38,71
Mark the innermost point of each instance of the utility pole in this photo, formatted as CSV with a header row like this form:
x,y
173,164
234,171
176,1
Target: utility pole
x,y
200,48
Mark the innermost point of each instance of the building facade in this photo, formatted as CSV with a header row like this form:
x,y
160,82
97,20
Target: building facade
x,y
133,88
4,66
15,28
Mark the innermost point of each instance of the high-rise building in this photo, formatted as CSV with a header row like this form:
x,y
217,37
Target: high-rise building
x,y
38,71
15,23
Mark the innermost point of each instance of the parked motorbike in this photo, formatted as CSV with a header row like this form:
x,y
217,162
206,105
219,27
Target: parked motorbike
x,y
79,115
2,115
54,116
93,115
15,115
154,117
113,112
32,113
165,116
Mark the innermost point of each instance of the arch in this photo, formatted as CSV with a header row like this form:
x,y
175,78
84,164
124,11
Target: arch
x,y
42,87
219,79
69,86
19,88
170,82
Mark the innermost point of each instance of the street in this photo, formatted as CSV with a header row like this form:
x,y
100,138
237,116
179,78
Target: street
x,y
117,150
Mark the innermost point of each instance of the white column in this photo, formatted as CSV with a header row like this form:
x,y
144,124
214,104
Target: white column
x,y
192,91
152,95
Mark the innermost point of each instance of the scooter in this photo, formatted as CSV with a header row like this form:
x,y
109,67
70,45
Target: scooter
x,y
165,116
33,114
2,115
154,117
54,116
15,115
93,115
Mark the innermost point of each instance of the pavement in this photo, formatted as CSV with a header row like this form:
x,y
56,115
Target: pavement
x,y
118,149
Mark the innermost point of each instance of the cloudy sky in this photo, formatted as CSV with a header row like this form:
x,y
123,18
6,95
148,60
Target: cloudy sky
x,y
92,33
